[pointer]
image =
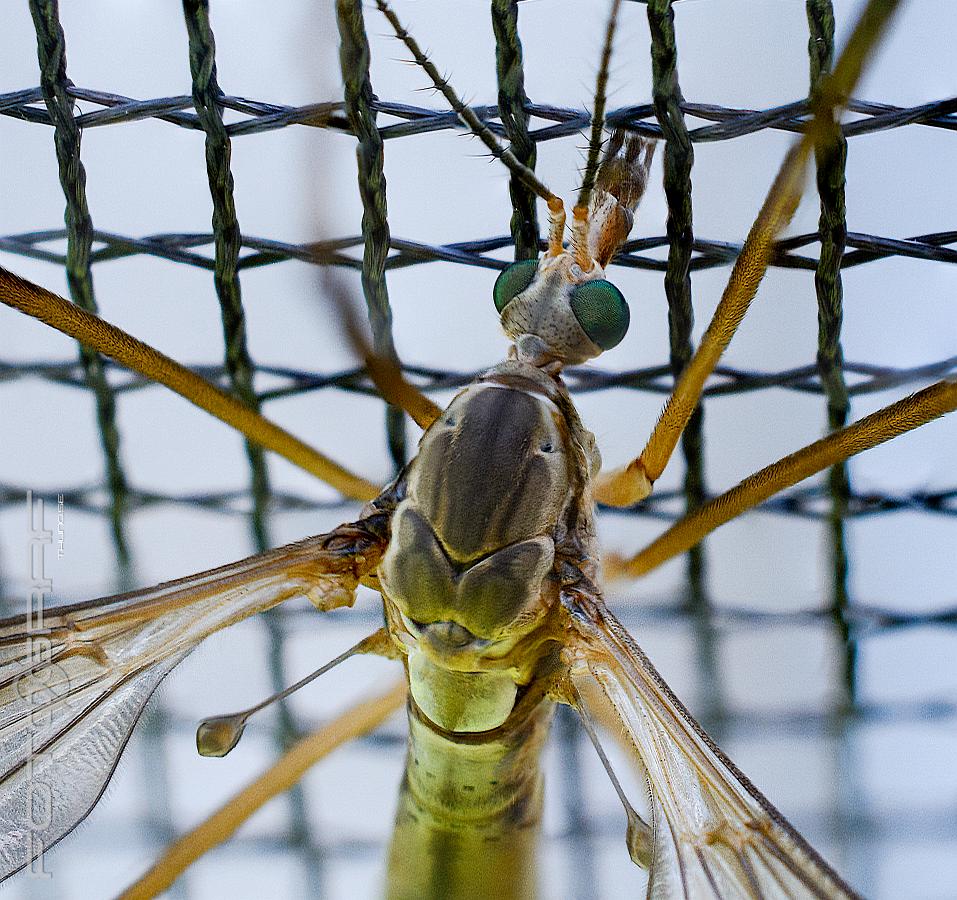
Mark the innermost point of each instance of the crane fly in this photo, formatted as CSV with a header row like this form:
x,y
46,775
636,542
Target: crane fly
x,y
484,552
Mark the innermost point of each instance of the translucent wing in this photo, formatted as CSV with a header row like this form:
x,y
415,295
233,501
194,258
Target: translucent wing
x,y
74,680
714,834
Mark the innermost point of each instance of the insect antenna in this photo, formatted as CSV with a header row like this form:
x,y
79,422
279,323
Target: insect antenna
x,y
612,188
217,735
556,230
598,111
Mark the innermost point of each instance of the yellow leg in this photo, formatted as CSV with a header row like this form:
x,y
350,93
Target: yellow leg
x,y
221,825
385,373
633,482
111,341
395,389
886,423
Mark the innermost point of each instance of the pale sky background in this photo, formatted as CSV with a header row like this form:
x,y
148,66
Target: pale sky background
x,y
298,184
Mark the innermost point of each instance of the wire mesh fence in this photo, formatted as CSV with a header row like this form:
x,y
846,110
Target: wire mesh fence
x,y
812,637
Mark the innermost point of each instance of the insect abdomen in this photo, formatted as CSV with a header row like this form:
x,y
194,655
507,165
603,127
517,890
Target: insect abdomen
x,y
468,816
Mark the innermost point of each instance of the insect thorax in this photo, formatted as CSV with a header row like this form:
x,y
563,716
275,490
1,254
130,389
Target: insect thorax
x,y
473,544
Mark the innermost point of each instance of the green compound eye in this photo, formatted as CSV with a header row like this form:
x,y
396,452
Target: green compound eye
x,y
601,311
512,281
